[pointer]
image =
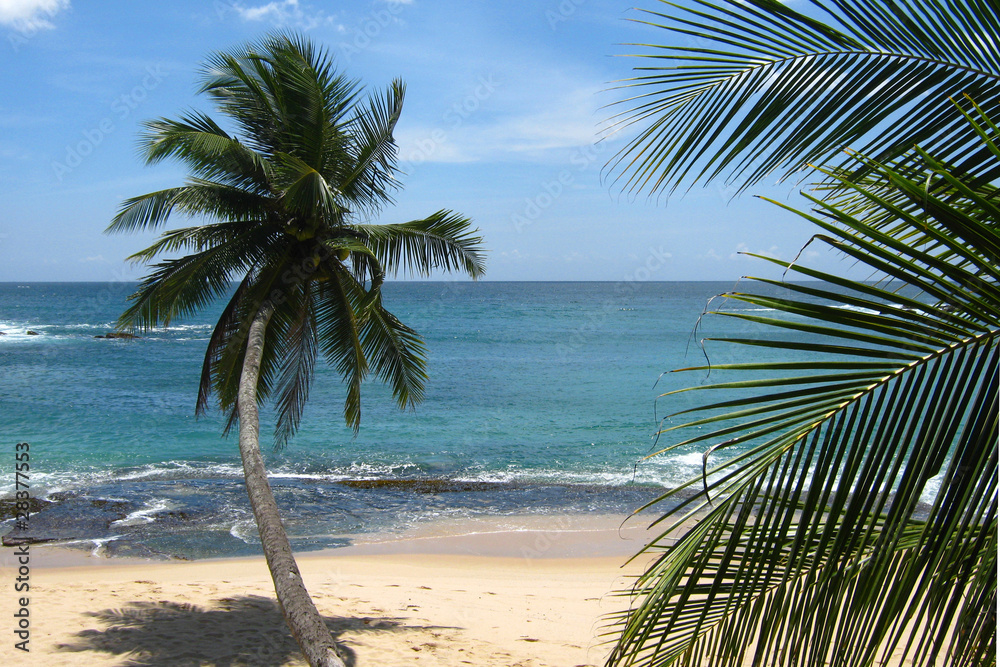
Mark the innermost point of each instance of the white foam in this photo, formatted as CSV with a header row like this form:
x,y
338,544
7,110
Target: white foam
x,y
859,309
355,471
45,484
145,515
243,531
665,473
173,469
77,325
17,331
189,327
19,336
98,543
931,489
689,459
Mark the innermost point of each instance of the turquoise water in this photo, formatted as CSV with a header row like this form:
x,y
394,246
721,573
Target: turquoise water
x,y
540,400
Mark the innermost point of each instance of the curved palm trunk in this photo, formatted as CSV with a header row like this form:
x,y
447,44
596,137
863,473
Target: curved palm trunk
x,y
307,626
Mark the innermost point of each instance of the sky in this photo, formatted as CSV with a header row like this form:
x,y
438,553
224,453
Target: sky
x,y
506,120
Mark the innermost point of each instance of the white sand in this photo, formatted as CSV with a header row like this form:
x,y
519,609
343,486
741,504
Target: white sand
x,y
429,599
521,592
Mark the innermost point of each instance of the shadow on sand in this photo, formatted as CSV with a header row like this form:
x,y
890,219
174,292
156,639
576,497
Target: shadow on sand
x,y
236,631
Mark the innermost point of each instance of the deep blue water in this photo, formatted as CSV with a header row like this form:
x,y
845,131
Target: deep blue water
x,y
540,400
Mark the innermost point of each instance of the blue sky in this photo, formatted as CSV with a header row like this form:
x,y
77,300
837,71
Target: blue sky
x,y
504,110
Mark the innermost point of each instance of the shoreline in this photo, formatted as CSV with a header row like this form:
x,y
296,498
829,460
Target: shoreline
x,y
425,599
193,517
520,536
529,596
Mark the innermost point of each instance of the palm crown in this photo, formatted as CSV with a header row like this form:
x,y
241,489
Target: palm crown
x,y
290,195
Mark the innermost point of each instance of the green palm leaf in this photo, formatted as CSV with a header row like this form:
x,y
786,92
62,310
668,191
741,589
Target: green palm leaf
x,y
396,354
440,241
340,315
296,341
733,105
207,149
289,197
373,156
199,198
847,510
182,286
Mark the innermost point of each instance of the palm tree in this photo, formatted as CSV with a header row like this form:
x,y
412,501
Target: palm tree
x,y
290,192
848,502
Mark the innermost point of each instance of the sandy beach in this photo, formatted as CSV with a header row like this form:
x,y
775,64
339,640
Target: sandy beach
x,y
486,594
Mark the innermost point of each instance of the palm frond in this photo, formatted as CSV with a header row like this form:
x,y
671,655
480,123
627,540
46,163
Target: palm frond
x,y
182,286
443,240
282,92
296,350
198,141
372,167
770,89
264,286
396,354
306,193
150,211
847,511
223,335
340,315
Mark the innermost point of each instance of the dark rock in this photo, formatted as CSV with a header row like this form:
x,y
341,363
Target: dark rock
x,y
118,334
15,509
32,333
12,541
9,507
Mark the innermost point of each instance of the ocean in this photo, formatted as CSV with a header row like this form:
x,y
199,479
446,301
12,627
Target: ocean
x,y
541,401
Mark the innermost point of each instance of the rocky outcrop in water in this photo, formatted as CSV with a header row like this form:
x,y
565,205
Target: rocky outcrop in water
x,y
118,334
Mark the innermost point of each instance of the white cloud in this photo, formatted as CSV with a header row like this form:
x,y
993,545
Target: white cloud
x,y
473,129
30,15
283,13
